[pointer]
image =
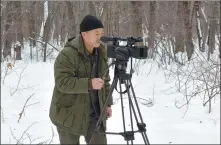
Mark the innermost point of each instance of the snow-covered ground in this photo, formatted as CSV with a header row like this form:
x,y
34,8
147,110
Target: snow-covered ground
x,y
165,123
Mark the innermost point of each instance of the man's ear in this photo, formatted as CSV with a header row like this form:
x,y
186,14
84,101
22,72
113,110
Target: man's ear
x,y
82,34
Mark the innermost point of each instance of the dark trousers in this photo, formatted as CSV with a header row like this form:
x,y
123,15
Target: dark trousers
x,y
68,138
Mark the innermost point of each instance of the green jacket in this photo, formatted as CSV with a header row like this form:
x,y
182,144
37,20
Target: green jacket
x,y
70,101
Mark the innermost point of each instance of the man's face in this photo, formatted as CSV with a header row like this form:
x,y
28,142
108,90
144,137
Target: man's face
x,y
93,37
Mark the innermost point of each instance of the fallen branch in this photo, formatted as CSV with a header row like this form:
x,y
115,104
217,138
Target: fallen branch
x,y
23,109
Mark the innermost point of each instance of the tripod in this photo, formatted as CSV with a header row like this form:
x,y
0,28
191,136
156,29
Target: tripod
x,y
124,78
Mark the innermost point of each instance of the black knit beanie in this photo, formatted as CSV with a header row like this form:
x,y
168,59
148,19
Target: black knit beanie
x,y
89,23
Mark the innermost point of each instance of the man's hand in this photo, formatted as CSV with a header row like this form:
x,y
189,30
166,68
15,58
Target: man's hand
x,y
97,83
109,111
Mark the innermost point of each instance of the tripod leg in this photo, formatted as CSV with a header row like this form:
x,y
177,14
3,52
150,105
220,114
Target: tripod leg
x,y
131,117
132,106
96,129
122,109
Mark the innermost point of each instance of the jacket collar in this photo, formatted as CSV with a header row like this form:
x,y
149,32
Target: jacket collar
x,y
77,42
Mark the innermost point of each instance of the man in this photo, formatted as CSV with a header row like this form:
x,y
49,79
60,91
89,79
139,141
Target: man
x,y
80,91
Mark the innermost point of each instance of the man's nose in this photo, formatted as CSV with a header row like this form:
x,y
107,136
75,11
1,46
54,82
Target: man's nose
x,y
99,37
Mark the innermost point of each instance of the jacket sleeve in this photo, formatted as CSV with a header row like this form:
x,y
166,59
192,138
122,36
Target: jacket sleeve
x,y
65,79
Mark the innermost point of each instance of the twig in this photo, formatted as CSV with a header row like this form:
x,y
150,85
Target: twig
x,y
153,92
20,114
211,98
37,40
19,80
32,104
31,140
6,72
188,101
13,135
29,137
25,132
36,139
46,42
2,116
53,134
25,88
150,69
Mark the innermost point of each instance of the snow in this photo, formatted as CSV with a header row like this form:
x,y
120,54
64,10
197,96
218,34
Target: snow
x,y
165,123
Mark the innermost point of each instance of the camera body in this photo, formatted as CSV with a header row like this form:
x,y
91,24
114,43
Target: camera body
x,y
119,52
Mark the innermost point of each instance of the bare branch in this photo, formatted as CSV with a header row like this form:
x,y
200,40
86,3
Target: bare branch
x,y
19,80
23,109
2,115
43,43
25,132
13,135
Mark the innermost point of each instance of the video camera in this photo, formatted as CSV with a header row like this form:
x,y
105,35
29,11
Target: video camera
x,y
124,52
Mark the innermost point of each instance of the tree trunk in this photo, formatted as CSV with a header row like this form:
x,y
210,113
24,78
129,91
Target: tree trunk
x,y
19,15
71,20
91,7
137,18
18,52
3,33
77,15
116,19
47,30
57,30
39,13
152,28
62,20
179,31
188,29
204,27
212,30
8,30
31,24
25,20
196,6
105,18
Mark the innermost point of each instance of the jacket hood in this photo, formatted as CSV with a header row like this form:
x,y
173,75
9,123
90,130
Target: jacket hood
x,y
77,42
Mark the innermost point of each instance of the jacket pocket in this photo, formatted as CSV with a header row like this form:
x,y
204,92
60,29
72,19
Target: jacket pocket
x,y
65,116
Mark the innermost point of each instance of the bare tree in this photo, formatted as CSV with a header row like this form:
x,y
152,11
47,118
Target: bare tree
x,y
47,32
199,35
70,19
212,29
188,8
8,32
152,28
179,30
